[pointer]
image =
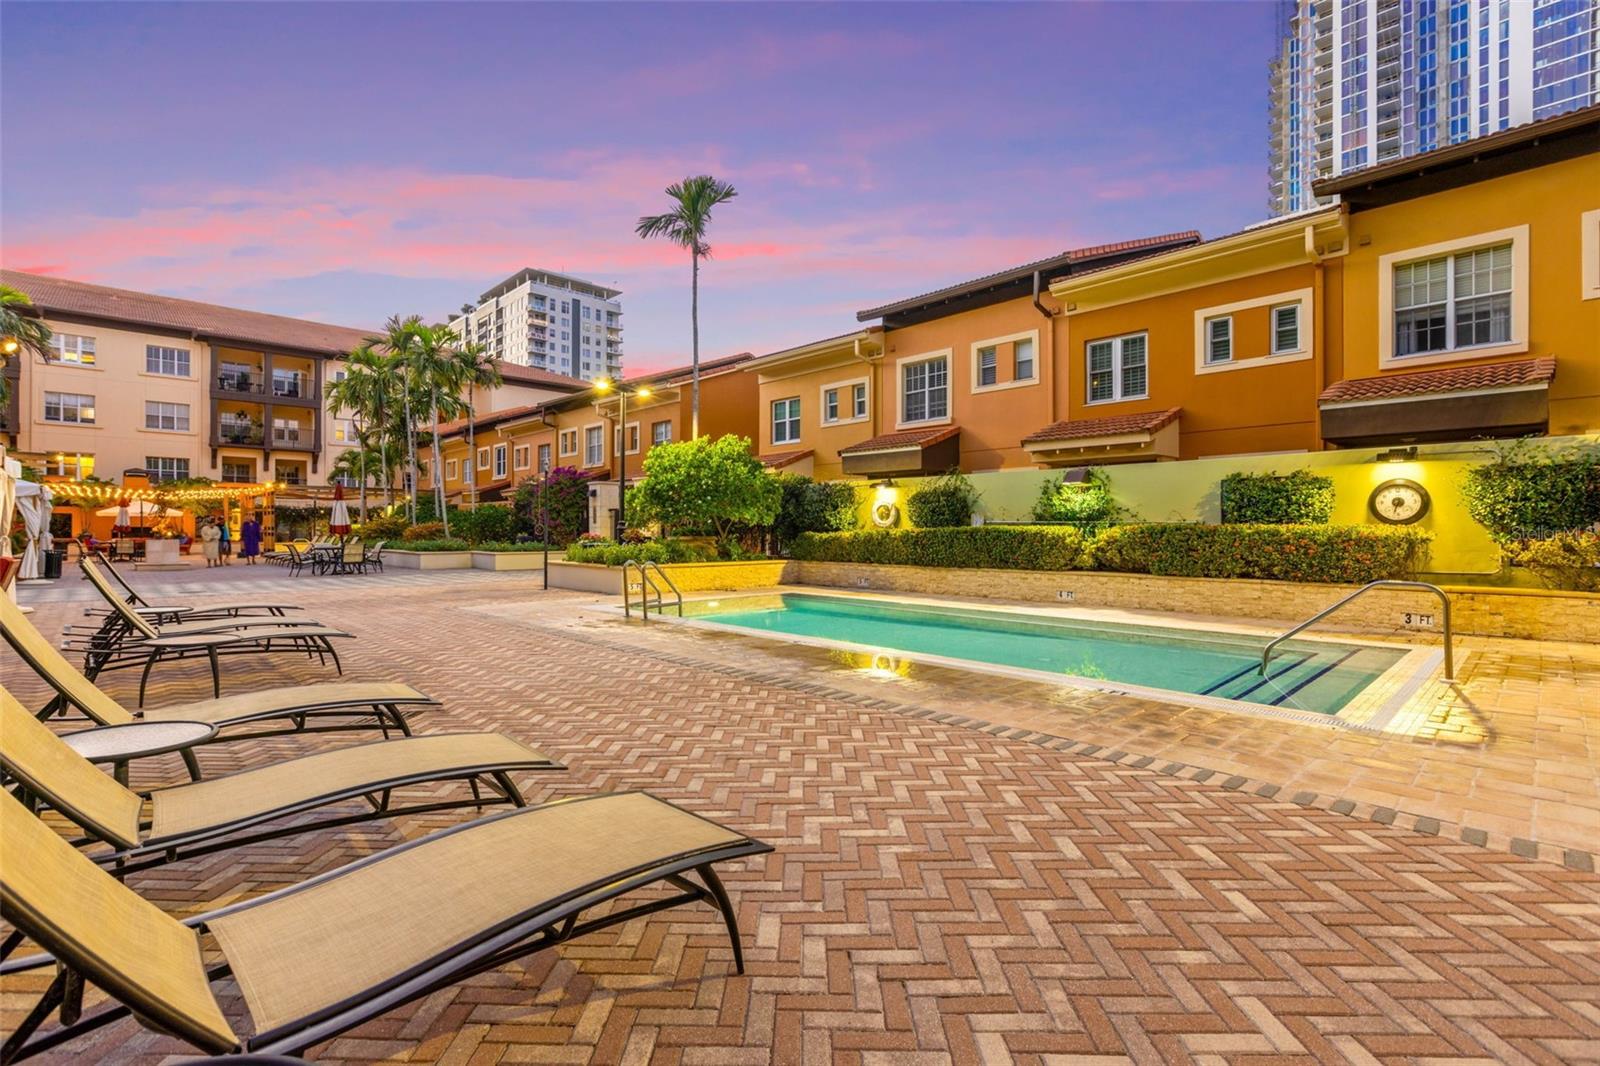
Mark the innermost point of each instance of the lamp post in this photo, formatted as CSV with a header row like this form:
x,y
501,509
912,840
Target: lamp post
x,y
605,385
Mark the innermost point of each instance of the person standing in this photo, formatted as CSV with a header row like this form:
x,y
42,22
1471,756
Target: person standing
x,y
225,541
250,540
210,545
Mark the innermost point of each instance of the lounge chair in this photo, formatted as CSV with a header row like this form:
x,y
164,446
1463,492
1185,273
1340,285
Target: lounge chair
x,y
200,817
319,958
120,619
287,709
129,640
160,613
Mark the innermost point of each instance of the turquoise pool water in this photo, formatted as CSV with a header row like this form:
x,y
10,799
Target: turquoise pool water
x,y
1304,675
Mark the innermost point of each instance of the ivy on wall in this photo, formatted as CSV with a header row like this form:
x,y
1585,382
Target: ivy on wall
x,y
1299,498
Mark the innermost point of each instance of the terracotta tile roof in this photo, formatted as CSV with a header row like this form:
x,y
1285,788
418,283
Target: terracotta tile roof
x,y
920,438
60,296
1432,382
778,460
1070,258
532,375
680,375
488,420
1082,428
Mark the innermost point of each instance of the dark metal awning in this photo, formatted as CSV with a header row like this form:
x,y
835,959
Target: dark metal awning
x,y
909,453
1459,403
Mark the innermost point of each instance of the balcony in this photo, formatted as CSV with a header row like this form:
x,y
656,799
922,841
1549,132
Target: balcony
x,y
293,436
240,431
239,381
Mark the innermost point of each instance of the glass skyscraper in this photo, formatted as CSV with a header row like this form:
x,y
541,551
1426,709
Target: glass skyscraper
x,y
1358,82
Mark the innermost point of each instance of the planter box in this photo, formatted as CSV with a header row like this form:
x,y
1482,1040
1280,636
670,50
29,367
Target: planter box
x,y
162,552
689,577
509,560
1527,614
405,560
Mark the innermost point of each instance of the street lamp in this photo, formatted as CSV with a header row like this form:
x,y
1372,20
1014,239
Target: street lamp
x,y
605,385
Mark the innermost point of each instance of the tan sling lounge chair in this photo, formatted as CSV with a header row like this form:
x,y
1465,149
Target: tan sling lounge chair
x,y
205,816
159,613
128,639
318,708
317,959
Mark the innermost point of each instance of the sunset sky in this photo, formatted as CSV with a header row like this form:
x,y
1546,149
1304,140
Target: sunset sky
x,y
344,162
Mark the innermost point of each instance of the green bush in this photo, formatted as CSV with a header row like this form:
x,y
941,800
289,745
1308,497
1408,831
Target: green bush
x,y
992,547
947,500
382,527
1526,495
1336,554
490,521
567,505
610,553
509,546
440,545
1084,502
423,531
1293,498
813,507
705,484
1563,561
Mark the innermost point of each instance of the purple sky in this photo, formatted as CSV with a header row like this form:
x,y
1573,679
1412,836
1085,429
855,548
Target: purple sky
x,y
344,162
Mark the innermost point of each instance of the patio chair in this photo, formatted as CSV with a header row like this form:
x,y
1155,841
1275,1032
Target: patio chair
x,y
352,558
200,817
184,612
138,643
319,958
122,548
324,707
375,556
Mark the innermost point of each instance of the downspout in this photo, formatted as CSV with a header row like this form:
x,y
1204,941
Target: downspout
x,y
872,388
1319,340
1047,369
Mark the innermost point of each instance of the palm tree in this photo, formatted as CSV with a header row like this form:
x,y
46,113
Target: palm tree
x,y
437,372
400,336
478,370
22,332
368,392
685,225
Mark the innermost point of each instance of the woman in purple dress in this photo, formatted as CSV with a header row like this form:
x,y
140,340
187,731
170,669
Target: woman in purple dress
x,y
250,539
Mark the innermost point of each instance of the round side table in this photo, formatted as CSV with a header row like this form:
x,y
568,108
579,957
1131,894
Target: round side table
x,y
119,744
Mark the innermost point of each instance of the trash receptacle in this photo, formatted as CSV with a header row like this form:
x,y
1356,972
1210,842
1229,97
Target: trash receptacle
x,y
52,562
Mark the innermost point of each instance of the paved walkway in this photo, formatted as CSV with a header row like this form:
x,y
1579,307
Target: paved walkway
x,y
940,893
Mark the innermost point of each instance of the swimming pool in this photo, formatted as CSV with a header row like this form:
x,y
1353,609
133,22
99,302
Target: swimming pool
x,y
1315,676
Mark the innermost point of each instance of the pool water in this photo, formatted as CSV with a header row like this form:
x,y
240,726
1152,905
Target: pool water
x,y
1316,676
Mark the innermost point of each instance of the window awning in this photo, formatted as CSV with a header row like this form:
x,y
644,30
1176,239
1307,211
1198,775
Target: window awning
x,y
1118,438
780,460
909,453
1457,403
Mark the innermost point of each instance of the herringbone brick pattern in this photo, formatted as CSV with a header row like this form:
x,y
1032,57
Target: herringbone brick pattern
x,y
940,894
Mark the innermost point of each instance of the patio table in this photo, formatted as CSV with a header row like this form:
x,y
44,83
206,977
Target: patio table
x,y
119,744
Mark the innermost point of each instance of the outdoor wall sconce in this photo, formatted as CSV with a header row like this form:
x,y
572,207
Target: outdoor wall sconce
x,y
1397,455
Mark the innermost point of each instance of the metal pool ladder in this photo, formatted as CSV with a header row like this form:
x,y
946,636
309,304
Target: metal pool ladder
x,y
1444,600
647,586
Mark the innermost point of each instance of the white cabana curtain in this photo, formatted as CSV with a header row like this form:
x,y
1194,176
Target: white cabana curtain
x,y
33,504
8,513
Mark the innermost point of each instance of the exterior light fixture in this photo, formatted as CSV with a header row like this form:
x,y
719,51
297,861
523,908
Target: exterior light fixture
x,y
886,483
1397,455
10,345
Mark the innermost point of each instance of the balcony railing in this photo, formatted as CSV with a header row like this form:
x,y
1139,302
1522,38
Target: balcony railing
x,y
292,388
240,432
285,436
238,382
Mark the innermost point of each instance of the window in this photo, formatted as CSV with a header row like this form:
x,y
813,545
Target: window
x,y
483,458
76,466
451,469
171,362
166,468
830,405
1219,339
594,445
661,432
344,431
285,431
69,407
544,458
786,420
521,457
241,473
858,401
72,348
1022,360
925,390
168,416
1117,368
569,442
988,365
1285,328
499,460
633,437
1453,301
295,474
289,383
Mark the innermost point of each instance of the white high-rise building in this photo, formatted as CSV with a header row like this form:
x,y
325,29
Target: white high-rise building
x,y
551,321
1359,82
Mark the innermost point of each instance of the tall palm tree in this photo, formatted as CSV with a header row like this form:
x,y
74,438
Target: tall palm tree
x,y
22,332
399,339
478,370
437,372
367,391
685,225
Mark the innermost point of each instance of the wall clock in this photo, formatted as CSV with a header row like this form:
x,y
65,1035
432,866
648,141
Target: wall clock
x,y
1398,502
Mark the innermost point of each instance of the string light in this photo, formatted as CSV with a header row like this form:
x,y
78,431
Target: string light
x,y
96,492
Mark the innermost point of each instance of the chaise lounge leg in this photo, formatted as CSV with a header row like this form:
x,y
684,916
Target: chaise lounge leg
x,y
216,672
149,664
725,905
191,763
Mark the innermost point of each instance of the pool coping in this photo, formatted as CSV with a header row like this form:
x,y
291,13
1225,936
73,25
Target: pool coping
x,y
1372,710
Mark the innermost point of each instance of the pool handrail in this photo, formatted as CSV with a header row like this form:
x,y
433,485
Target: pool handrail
x,y
647,585
1444,600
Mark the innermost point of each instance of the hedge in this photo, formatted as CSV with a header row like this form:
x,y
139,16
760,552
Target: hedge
x,y
1300,496
440,545
1527,496
989,547
947,500
1335,554
609,553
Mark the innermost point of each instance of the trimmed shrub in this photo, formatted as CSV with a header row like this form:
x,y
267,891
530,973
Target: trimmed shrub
x,y
382,527
947,500
491,521
509,546
1296,497
991,547
813,507
610,553
1335,554
439,545
1085,502
423,531
1524,495
705,484
1564,561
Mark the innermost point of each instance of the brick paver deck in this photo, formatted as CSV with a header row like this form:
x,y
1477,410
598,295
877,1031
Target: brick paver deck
x,y
940,894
